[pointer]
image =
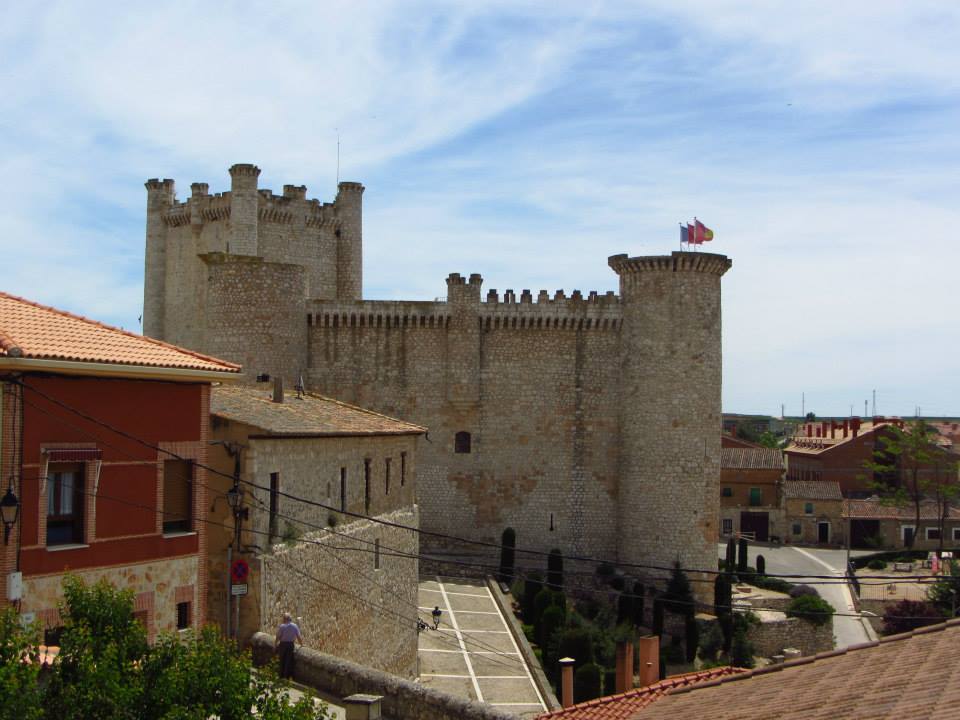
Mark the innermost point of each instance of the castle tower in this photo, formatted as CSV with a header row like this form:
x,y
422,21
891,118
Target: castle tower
x,y
670,410
349,209
244,208
160,196
463,356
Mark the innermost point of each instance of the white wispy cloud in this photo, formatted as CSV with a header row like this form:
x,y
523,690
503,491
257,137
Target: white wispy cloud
x,y
527,141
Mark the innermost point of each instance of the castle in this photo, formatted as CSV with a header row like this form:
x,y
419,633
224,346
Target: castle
x,y
589,423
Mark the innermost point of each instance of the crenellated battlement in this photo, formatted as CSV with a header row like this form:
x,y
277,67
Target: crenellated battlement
x,y
707,263
378,314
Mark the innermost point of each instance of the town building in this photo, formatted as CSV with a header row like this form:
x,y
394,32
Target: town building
x,y
813,511
324,490
750,490
103,446
879,524
586,422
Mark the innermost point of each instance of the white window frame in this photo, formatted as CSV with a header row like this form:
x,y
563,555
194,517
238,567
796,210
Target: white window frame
x,y
726,525
927,533
956,534
903,533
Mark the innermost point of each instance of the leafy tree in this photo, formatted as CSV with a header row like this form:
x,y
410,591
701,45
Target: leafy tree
x,y
909,615
586,682
768,440
742,556
551,621
20,697
945,593
105,669
711,643
723,601
908,467
811,608
508,543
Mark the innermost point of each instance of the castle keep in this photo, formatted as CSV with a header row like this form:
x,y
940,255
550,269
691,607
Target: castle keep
x,y
590,423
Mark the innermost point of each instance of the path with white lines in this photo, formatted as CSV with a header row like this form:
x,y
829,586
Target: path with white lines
x,y
473,654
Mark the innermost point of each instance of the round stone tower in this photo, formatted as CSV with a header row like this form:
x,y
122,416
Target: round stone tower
x,y
349,209
670,411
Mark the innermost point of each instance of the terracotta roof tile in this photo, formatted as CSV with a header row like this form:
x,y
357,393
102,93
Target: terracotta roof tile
x,y
625,705
751,458
875,509
812,490
915,675
311,415
33,331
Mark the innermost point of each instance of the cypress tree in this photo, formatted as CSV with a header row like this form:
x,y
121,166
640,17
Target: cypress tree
x,y
761,565
731,555
742,557
508,542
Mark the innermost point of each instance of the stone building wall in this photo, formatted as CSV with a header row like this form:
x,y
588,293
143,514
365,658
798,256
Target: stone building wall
x,y
769,638
351,601
157,586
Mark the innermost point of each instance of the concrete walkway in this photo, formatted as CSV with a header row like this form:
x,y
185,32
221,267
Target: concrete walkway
x,y
473,653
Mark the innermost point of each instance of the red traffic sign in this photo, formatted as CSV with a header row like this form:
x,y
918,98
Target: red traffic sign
x,y
239,570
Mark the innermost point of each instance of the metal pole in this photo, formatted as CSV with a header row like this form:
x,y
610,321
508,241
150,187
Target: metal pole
x,y
229,596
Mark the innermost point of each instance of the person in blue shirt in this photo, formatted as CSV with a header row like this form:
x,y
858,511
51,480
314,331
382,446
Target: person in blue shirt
x,y
287,634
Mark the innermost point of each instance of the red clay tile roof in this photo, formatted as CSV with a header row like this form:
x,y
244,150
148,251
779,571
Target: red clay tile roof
x,y
812,490
874,509
759,458
311,415
33,331
914,675
625,705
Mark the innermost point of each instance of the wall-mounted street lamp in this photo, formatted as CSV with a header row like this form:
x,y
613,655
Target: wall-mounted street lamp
x,y
9,509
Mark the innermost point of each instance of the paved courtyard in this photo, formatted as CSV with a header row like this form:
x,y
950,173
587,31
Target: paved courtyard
x,y
473,654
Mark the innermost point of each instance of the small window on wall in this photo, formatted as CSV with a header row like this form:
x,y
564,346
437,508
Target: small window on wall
x,y
177,496
808,508
727,526
403,469
343,489
933,533
756,496
65,497
386,477
461,442
366,486
796,529
956,534
726,492
183,615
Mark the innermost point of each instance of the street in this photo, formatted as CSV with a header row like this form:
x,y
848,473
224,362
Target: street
x,y
792,560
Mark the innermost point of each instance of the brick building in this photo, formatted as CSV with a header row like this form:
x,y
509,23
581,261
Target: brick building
x,y
104,435
548,413
349,579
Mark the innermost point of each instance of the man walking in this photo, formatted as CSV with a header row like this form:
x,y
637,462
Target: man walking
x,y
287,634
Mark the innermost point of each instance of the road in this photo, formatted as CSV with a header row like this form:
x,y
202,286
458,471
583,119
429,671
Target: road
x,y
792,560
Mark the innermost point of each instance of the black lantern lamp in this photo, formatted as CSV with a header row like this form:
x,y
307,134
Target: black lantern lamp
x,y
9,509
234,496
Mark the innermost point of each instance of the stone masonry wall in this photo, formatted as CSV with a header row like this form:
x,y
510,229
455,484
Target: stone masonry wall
x,y
539,410
770,638
354,602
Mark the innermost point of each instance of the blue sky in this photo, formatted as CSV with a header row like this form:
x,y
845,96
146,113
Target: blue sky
x,y
528,142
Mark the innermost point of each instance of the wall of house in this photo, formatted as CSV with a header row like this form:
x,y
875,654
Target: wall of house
x,y
769,638
740,480
123,492
157,587
891,533
830,511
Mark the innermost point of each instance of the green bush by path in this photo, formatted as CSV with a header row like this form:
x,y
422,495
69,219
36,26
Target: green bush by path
x,y
811,608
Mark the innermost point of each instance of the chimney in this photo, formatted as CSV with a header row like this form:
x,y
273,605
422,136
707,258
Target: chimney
x,y
362,707
278,389
846,428
624,675
566,681
649,660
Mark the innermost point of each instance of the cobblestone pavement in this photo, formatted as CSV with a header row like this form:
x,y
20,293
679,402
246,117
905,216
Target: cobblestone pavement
x,y
473,653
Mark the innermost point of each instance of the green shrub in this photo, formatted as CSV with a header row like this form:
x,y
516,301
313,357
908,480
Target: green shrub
x,y
541,602
588,607
811,608
553,619
945,593
577,644
877,564
711,642
772,583
741,650
586,682
529,633
801,590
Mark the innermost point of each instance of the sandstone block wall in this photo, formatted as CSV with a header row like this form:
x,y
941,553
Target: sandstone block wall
x,y
770,638
354,603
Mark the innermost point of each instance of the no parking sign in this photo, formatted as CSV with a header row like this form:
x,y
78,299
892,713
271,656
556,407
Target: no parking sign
x,y
239,571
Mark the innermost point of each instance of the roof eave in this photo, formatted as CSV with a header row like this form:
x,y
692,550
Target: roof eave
x,y
117,370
